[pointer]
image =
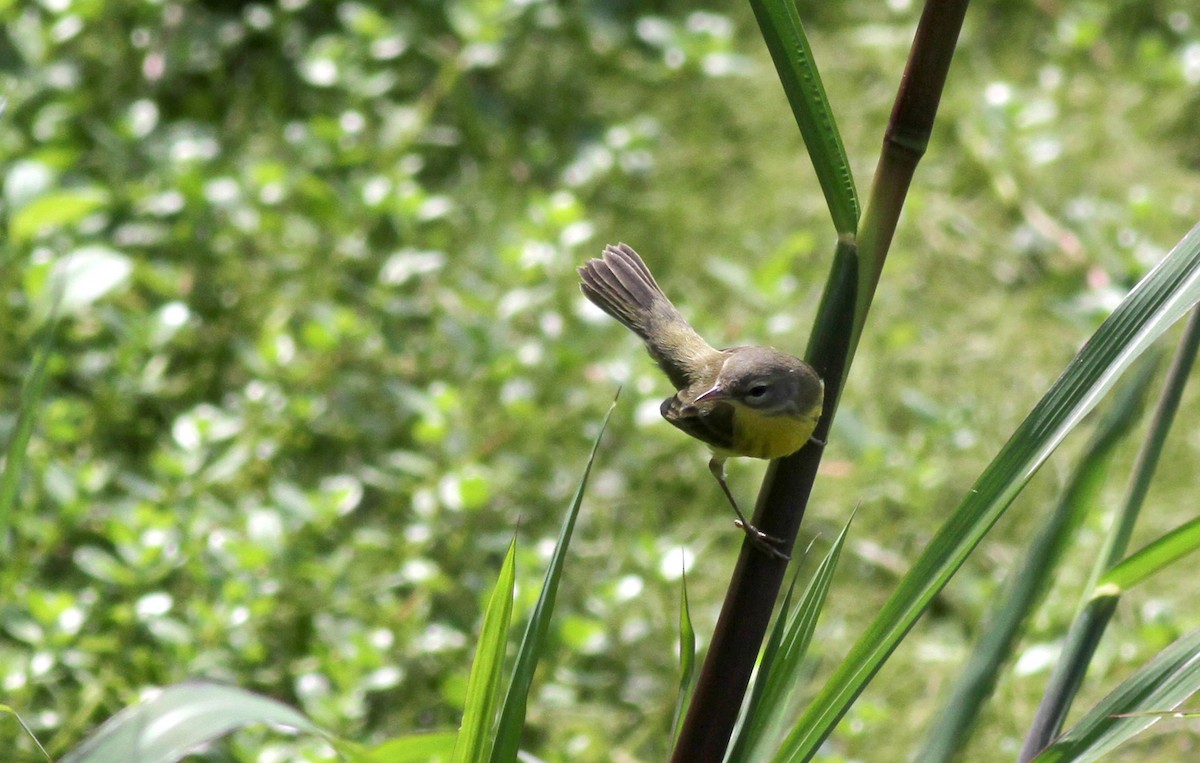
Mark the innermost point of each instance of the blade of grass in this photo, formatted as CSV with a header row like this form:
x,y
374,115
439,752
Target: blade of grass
x,y
483,685
31,398
1157,555
687,658
1026,585
1148,458
1078,646
751,714
785,38
1086,632
782,675
1162,684
27,730
182,717
425,747
1161,298
512,714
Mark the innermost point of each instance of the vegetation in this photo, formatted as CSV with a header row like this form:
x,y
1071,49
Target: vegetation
x,y
320,353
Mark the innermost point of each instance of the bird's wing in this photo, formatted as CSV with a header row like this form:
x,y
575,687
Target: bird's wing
x,y
711,423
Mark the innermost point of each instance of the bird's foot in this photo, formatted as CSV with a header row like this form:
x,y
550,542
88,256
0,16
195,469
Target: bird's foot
x,y
767,543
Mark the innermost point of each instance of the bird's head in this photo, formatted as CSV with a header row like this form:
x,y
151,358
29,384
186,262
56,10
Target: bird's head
x,y
766,380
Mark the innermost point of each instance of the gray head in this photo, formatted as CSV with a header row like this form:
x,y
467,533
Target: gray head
x,y
768,381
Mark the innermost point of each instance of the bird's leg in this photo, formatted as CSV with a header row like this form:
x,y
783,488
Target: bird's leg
x,y
768,543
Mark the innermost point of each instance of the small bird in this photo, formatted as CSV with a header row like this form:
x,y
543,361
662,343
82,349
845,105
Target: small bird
x,y
742,401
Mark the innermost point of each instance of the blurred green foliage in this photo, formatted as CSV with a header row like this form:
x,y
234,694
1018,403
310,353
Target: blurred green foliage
x,y
322,350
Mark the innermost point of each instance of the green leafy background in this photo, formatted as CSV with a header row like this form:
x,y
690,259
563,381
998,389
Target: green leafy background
x,y
322,350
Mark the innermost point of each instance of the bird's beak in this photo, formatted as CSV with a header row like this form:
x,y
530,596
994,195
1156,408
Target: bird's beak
x,y
716,393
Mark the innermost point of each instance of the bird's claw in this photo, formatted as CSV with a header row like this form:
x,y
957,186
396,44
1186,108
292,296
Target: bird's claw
x,y
767,543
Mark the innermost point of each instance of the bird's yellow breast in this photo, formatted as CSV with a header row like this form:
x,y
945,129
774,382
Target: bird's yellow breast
x,y
759,435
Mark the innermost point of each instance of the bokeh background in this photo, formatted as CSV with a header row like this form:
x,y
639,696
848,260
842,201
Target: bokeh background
x,y
324,354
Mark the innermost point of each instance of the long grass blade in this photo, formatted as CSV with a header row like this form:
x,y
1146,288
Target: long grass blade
x,y
1161,298
31,398
1083,637
27,730
182,717
483,685
1160,685
425,747
784,673
1155,556
1078,647
751,721
1151,452
785,38
1026,585
687,658
512,714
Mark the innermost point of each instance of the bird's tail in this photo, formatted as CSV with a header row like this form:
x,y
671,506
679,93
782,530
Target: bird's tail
x,y
620,284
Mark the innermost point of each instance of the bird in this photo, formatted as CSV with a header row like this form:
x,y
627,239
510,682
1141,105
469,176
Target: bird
x,y
751,401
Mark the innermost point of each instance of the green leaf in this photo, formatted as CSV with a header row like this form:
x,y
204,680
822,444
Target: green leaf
x,y
27,730
413,748
1160,299
54,210
1100,603
181,718
25,180
483,686
750,724
103,566
785,38
512,715
1160,685
84,276
1029,581
1117,543
1157,555
14,459
1181,541
687,659
782,672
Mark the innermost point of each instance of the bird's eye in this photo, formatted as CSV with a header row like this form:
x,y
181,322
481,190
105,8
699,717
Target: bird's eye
x,y
757,391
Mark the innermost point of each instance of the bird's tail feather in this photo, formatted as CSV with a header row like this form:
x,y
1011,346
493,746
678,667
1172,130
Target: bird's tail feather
x,y
620,284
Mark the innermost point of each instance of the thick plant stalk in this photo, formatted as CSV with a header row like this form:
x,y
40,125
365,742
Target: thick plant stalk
x,y
905,141
783,499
